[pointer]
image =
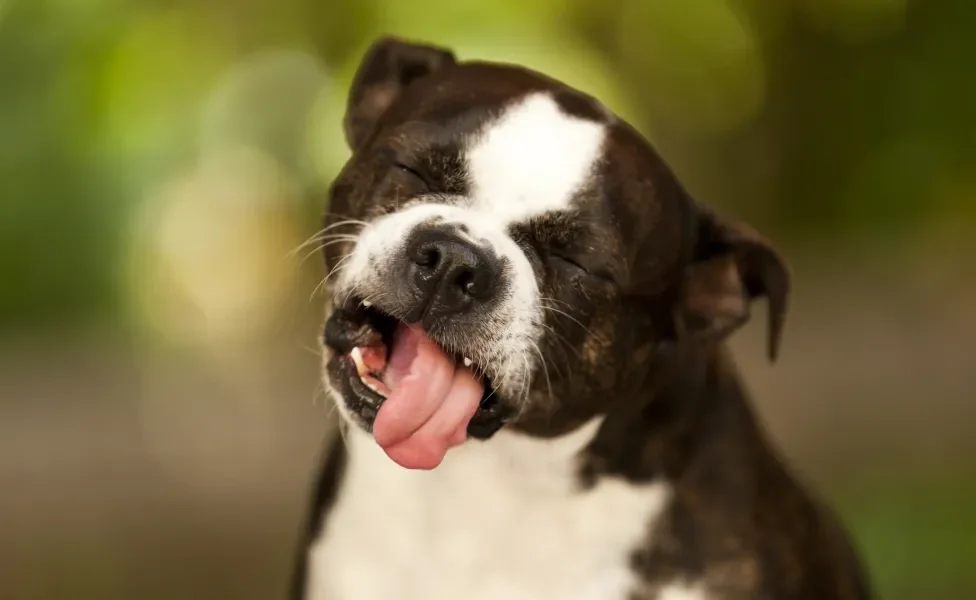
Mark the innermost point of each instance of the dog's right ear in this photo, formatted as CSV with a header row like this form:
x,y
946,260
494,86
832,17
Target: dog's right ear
x,y
388,67
733,265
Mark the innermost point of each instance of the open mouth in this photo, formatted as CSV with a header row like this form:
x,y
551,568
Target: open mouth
x,y
379,358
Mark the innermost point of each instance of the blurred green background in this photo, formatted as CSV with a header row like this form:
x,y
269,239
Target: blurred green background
x,y
160,162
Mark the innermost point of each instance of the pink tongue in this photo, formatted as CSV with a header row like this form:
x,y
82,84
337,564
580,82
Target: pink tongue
x,y
430,404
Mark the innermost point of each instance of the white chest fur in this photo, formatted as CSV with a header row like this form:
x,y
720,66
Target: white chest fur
x,y
498,520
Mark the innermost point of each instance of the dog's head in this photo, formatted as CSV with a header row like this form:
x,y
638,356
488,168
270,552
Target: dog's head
x,y
504,251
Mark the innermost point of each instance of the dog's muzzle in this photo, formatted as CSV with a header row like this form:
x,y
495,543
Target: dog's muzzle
x,y
406,363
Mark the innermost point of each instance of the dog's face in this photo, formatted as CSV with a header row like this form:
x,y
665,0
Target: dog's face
x,y
503,251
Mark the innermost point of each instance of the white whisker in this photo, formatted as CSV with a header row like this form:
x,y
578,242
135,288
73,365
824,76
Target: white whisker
x,y
572,318
321,284
336,239
545,371
318,235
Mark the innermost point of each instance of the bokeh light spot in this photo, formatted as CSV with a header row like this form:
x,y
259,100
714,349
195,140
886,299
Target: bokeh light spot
x,y
208,260
696,60
263,101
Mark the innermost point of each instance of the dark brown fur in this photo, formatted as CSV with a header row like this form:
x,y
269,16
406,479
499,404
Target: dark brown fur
x,y
739,523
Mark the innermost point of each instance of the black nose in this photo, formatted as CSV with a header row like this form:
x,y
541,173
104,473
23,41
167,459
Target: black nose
x,y
449,273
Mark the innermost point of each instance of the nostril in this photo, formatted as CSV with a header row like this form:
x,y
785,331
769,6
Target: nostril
x,y
446,273
466,281
427,256
475,283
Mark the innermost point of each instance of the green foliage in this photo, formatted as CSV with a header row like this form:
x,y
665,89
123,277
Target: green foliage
x,y
825,119
916,534
58,210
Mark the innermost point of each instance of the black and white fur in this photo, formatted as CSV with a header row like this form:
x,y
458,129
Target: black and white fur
x,y
629,464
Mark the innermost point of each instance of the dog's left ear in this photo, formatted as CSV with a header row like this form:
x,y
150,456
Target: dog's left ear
x,y
733,265
388,67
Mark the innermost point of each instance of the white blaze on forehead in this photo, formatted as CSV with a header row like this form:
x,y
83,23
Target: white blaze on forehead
x,y
531,160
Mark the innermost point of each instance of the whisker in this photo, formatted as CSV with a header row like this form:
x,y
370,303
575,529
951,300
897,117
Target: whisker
x,y
320,237
572,318
330,213
562,343
332,240
545,371
312,351
372,298
342,430
317,236
340,425
352,290
335,269
526,391
490,394
548,299
318,391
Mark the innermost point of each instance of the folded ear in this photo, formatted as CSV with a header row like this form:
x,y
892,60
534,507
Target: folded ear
x,y
733,266
387,68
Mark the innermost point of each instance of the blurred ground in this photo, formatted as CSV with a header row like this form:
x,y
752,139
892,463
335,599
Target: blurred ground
x,y
197,489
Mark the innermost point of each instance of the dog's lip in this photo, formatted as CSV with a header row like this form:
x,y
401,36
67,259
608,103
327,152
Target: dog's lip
x,y
349,328
356,385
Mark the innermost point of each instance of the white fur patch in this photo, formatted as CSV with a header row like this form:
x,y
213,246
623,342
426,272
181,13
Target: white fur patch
x,y
681,591
530,161
500,519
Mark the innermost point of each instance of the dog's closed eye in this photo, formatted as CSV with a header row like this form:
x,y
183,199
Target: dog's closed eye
x,y
568,262
415,173
580,268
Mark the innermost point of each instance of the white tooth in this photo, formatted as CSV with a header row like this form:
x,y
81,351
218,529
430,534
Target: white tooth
x,y
467,361
374,388
367,303
357,357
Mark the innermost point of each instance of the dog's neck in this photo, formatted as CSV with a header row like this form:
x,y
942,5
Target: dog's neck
x,y
678,417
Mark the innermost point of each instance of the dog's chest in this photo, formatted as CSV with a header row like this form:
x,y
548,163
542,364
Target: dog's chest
x,y
497,520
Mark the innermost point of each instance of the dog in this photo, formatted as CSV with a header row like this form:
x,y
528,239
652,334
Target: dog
x,y
527,350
